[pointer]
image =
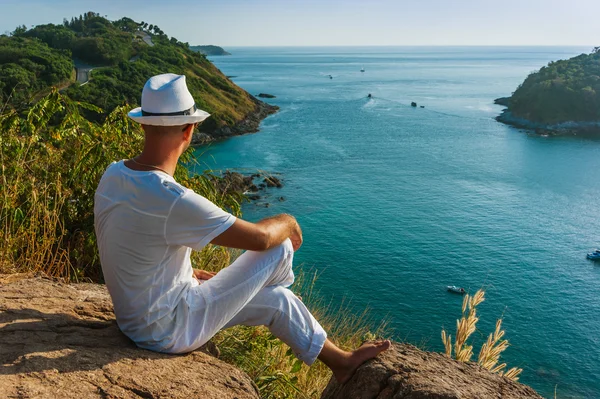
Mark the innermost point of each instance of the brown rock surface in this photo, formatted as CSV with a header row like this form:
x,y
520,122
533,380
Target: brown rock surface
x,y
62,341
405,372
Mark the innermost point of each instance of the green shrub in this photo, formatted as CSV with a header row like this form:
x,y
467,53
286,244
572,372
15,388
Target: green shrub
x,y
52,160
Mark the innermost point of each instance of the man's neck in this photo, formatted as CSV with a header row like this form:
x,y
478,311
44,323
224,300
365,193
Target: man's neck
x,y
148,161
167,163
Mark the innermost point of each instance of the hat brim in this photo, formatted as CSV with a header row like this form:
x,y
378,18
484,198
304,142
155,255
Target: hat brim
x,y
198,116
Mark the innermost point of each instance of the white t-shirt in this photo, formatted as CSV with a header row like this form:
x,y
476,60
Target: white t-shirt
x,y
147,225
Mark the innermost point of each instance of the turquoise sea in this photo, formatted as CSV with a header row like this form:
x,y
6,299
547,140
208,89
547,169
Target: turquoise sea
x,y
397,202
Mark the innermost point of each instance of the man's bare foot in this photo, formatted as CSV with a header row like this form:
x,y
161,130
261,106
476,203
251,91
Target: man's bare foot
x,y
354,359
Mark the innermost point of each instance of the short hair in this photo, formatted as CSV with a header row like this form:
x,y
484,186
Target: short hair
x,y
165,130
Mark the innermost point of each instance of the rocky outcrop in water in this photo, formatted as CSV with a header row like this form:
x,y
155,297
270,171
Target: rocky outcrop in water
x,y
210,50
272,181
235,183
504,101
62,341
405,372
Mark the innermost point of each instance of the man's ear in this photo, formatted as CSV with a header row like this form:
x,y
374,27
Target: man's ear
x,y
187,132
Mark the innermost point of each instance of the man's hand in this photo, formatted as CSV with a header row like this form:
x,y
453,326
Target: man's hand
x,y
296,237
203,274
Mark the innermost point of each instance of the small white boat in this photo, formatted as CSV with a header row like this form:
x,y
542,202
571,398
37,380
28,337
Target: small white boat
x,y
456,290
362,69
594,255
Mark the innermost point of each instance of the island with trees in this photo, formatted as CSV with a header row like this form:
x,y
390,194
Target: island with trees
x,y
561,98
106,63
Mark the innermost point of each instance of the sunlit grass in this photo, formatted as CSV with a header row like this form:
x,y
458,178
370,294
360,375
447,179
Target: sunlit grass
x,y
490,352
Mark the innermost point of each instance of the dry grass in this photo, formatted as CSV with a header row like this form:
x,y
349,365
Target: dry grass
x,y
490,352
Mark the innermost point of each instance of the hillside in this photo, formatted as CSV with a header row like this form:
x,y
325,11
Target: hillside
x,y
123,54
563,93
210,50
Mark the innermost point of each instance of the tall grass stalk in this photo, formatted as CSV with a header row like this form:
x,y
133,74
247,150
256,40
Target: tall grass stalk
x,y
490,352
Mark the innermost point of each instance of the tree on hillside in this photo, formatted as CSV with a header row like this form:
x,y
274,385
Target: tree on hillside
x,y
19,30
127,25
55,36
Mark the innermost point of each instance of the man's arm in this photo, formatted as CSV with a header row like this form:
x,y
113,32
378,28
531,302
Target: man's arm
x,y
261,236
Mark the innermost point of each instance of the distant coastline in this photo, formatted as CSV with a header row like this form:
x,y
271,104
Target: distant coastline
x,y
209,50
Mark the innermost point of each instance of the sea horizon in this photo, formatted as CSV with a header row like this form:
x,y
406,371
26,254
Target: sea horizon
x,y
492,46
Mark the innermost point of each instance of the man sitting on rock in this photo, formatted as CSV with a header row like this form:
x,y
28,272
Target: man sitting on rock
x,y
147,225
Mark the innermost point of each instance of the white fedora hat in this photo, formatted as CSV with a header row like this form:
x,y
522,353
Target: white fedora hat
x,y
166,101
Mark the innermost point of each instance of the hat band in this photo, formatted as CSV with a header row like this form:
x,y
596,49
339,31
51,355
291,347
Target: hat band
x,y
189,111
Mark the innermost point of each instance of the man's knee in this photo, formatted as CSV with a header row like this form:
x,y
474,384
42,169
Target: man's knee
x,y
285,249
283,252
279,261
282,301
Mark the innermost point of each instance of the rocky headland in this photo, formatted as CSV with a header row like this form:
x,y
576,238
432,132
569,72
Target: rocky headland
x,y
62,341
561,98
123,55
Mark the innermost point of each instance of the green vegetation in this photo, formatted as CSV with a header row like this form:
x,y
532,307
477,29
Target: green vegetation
x,y
272,365
565,90
28,66
52,160
34,60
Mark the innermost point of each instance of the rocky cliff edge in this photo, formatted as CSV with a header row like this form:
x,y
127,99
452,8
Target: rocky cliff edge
x,y
61,341
405,372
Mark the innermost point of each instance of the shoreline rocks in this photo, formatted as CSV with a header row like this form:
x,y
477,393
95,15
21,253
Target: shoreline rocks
x,y
265,95
555,129
250,124
236,183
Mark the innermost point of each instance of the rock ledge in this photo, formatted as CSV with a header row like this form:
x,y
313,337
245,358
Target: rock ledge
x,y
405,372
62,341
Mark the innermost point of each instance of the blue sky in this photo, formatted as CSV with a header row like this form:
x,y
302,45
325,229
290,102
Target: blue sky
x,y
338,22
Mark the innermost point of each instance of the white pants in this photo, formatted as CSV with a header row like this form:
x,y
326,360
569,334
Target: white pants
x,y
252,291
